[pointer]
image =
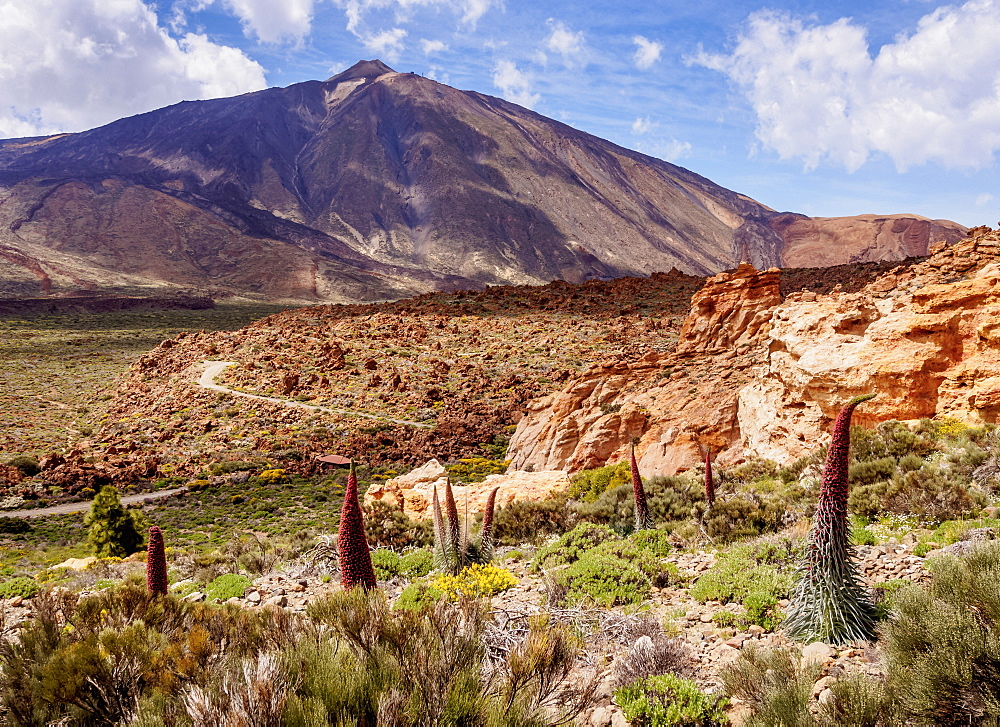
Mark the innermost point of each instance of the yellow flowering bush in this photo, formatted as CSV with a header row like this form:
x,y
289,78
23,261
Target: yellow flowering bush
x,y
949,426
271,477
475,580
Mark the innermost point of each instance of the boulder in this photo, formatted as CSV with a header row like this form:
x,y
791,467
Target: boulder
x,y
414,491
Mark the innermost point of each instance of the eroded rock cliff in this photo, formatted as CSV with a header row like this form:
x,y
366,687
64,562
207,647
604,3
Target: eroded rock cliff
x,y
755,375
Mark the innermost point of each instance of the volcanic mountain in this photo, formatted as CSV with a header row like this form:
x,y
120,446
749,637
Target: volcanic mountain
x,y
376,184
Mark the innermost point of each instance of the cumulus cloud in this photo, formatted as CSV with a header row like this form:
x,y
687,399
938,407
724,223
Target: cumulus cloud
x,y
984,199
69,66
819,93
273,22
514,84
567,43
388,44
642,125
430,47
647,52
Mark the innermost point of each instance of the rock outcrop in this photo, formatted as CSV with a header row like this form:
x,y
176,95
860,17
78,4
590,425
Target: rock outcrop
x,y
414,491
757,377
730,310
672,404
927,340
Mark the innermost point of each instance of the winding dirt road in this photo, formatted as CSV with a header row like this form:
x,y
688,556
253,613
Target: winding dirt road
x,y
215,368
81,506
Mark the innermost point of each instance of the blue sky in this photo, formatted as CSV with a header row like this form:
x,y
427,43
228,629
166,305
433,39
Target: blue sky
x,y
832,108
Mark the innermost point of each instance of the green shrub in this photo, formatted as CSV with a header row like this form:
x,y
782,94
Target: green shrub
x,y
670,500
416,563
656,542
588,485
942,644
774,684
386,563
613,573
755,575
859,699
659,701
14,525
226,586
417,596
572,545
26,463
22,586
931,493
525,521
744,515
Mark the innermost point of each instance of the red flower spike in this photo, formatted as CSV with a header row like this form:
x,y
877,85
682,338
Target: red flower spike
x,y
829,602
642,519
487,531
451,512
352,544
156,563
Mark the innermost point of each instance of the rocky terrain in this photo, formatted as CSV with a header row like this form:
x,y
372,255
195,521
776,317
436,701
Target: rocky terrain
x,y
375,185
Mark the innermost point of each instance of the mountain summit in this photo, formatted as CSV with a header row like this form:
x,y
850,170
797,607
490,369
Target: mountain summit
x,y
376,184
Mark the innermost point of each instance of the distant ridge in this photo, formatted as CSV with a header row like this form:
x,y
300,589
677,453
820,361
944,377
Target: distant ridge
x,y
376,185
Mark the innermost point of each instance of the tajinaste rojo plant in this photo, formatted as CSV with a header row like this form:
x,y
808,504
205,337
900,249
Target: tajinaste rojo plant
x,y
453,549
642,519
156,563
352,544
709,484
829,602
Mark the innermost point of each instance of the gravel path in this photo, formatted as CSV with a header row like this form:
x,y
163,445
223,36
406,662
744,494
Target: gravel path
x,y
81,506
214,368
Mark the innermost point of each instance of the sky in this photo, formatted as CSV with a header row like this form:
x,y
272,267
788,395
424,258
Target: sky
x,y
826,108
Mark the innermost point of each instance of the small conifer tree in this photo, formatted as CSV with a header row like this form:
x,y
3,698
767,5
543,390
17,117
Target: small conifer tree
x,y
113,530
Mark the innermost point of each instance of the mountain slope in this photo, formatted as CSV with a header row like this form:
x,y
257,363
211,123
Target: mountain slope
x,y
372,184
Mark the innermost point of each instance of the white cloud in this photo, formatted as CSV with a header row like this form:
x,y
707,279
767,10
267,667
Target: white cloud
x,y
642,125
388,44
565,42
69,66
670,150
929,96
647,52
432,46
274,21
514,84
468,11
984,199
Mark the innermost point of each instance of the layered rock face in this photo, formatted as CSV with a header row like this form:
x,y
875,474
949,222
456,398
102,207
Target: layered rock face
x,y
675,404
927,341
755,376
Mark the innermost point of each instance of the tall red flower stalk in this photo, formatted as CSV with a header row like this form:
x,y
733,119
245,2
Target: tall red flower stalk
x,y
156,563
451,512
352,544
491,501
829,602
709,484
642,519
